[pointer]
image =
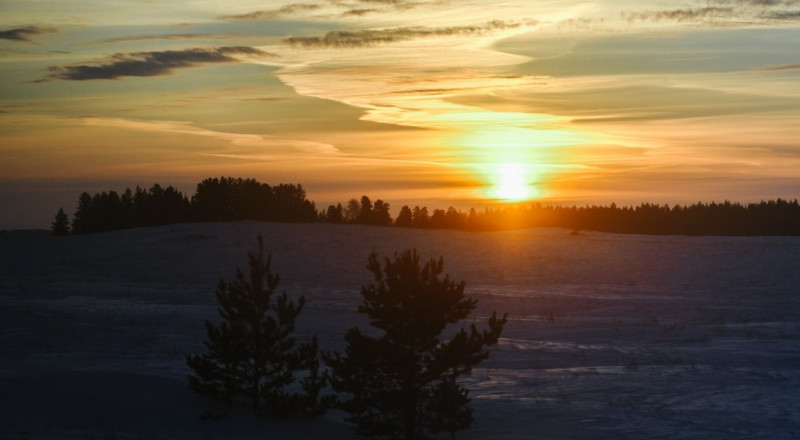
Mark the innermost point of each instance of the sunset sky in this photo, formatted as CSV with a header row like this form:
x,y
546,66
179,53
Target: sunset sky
x,y
429,102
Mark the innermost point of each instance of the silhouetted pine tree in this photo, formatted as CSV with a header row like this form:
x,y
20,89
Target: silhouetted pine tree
x,y
61,224
252,353
420,217
291,204
334,214
84,220
405,219
404,382
380,214
438,219
365,212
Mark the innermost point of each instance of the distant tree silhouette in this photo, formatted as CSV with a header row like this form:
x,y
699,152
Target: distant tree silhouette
x,y
405,219
455,219
404,381
438,219
61,224
216,199
352,212
420,217
291,205
334,214
472,219
251,352
126,199
365,211
82,221
106,211
229,199
158,206
110,212
380,214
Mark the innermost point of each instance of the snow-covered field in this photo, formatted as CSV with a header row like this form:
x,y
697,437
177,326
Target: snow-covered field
x,y
609,337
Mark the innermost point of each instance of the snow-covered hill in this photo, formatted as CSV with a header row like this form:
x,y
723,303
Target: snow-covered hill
x,y
610,336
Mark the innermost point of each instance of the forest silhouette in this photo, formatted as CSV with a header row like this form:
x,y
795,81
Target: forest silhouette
x,y
233,199
215,199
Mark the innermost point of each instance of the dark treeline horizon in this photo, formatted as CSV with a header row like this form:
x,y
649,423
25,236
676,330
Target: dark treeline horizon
x,y
232,199
215,199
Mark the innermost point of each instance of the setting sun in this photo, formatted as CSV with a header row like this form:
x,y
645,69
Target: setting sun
x,y
511,185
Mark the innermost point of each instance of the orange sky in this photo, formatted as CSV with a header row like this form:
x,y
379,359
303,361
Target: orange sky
x,y
416,102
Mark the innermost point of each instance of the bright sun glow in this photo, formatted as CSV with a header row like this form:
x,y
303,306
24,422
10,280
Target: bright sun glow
x,y
513,156
511,184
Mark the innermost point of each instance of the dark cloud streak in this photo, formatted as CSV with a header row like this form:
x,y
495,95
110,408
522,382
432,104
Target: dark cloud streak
x,y
351,9
273,13
757,2
680,15
149,63
747,11
360,12
405,5
353,39
162,37
780,68
785,15
22,33
390,5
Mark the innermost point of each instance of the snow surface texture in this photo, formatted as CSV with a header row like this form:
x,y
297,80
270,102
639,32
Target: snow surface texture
x,y
609,336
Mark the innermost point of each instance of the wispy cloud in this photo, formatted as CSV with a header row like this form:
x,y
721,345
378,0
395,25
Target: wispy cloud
x,y
680,15
162,37
22,33
743,11
359,12
782,67
274,13
150,63
371,37
389,6
785,15
757,2
336,8
397,85
249,144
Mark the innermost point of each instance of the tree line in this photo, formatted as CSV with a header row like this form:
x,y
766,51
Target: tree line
x,y
773,217
215,199
230,199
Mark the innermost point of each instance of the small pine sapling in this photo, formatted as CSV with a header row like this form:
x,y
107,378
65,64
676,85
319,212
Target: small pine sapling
x,y
251,353
404,382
